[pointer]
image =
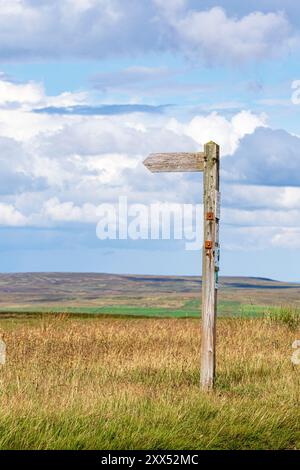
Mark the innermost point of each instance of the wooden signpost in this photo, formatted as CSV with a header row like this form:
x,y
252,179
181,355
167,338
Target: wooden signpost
x,y
208,162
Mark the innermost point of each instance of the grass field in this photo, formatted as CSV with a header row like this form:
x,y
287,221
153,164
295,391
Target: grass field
x,y
110,383
139,296
190,309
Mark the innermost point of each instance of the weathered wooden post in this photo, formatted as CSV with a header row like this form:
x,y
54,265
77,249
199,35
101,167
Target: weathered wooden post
x,y
210,264
208,162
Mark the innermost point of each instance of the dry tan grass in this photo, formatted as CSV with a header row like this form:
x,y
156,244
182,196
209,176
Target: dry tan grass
x,y
133,383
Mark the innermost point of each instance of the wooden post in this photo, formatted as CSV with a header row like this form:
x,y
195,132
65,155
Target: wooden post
x,y
208,162
210,264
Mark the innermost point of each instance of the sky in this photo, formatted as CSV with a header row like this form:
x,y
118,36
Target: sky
x,y
88,88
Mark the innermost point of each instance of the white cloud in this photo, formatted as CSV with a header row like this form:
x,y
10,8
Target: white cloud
x,y
221,39
65,99
265,157
101,28
58,170
17,121
226,132
56,28
107,167
287,238
93,158
10,217
33,94
254,197
262,218
27,93
57,211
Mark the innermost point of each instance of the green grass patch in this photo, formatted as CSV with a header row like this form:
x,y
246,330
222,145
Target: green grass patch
x,y
191,309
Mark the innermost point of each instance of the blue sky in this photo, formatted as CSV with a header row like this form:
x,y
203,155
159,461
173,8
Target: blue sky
x,y
89,87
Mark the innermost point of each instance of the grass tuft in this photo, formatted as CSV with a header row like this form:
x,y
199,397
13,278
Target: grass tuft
x,y
284,315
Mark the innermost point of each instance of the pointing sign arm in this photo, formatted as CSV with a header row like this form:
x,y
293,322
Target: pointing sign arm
x,y
184,161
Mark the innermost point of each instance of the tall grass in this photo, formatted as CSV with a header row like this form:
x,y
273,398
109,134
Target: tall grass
x,y
285,315
106,383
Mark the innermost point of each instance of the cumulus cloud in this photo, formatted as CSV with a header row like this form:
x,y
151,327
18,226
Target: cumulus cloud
x,y
266,157
27,93
100,28
18,105
254,197
15,169
221,39
68,28
287,237
10,216
227,132
33,94
262,218
57,211
248,197
58,170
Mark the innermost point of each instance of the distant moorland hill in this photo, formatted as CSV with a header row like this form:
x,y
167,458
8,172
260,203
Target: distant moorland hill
x,y
138,295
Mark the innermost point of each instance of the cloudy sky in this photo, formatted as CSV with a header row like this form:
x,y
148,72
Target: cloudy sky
x,y
89,87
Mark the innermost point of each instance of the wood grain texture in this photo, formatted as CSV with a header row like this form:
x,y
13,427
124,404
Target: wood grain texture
x,y
175,162
209,269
